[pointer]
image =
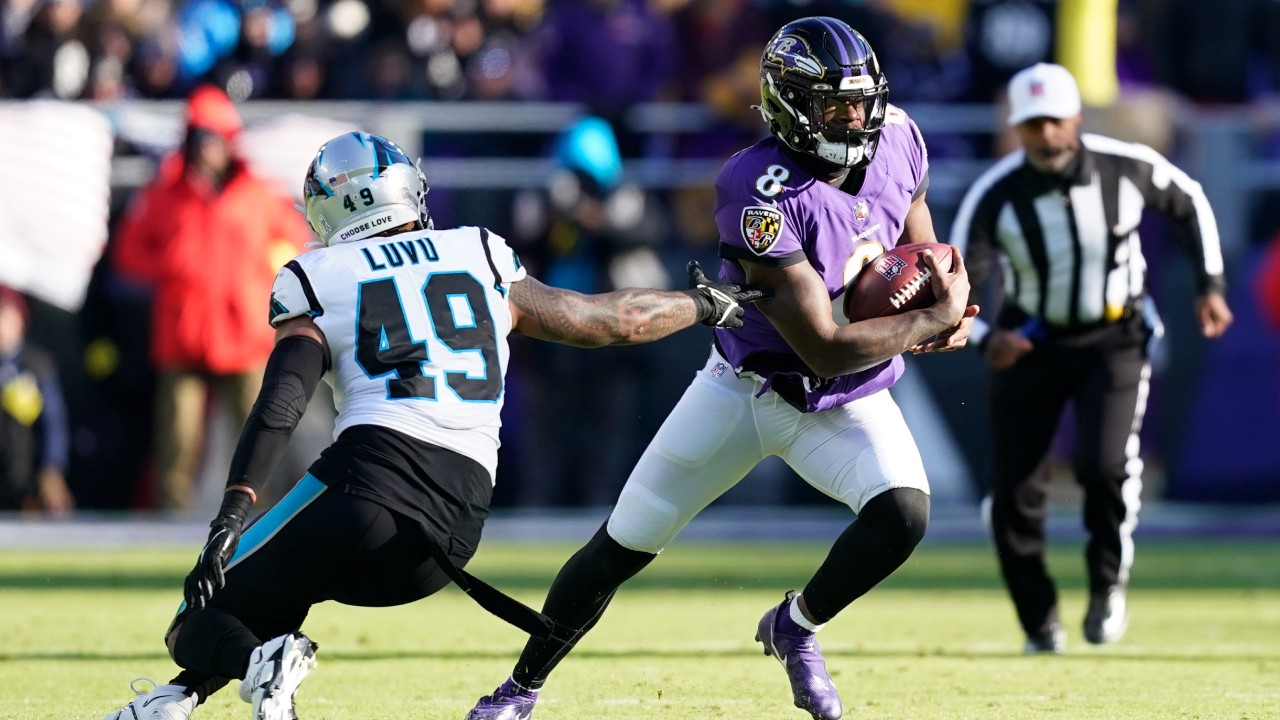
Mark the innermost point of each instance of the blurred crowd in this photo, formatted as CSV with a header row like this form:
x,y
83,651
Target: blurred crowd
x,y
587,229
610,52
613,54
607,52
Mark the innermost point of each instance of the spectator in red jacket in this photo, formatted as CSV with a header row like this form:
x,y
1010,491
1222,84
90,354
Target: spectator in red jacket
x,y
207,236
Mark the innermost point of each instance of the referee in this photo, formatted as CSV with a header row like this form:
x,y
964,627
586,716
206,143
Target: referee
x,y
1061,215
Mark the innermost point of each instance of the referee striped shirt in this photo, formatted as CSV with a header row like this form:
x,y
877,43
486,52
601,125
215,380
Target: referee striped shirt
x,y
1068,245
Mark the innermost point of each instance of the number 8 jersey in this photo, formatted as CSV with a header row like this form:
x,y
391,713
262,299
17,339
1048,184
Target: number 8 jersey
x,y
773,212
417,327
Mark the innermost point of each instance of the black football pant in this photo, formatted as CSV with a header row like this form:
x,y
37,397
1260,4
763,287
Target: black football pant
x,y
1106,375
316,544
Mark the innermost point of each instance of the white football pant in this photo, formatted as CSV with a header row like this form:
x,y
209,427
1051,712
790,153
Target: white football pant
x,y
719,431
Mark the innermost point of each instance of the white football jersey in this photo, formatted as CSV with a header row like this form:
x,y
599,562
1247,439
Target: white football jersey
x,y
417,329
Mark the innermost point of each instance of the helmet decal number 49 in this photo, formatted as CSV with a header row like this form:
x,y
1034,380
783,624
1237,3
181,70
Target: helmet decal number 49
x,y
366,197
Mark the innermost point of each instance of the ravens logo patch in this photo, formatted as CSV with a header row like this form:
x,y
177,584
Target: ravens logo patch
x,y
760,227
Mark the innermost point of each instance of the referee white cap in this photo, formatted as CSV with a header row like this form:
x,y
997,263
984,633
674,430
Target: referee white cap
x,y
1043,90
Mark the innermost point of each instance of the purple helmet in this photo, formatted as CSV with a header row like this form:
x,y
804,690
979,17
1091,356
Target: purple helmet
x,y
810,69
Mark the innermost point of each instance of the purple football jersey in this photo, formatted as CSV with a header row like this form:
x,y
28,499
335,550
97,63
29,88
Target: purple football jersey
x,y
771,211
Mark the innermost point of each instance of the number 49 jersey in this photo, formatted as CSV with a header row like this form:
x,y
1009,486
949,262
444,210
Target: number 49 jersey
x,y
417,327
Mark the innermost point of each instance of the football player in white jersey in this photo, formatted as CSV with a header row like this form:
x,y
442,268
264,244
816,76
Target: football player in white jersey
x,y
409,324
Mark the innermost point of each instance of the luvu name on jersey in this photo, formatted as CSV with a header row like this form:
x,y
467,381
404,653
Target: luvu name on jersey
x,y
419,249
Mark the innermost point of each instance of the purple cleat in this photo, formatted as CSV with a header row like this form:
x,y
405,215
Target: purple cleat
x,y
797,649
508,702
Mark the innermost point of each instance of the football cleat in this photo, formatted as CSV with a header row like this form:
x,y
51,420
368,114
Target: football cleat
x,y
508,702
276,669
162,702
797,649
1051,641
1107,618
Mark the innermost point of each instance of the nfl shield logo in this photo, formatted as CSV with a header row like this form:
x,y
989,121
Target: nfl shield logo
x,y
861,210
760,227
889,266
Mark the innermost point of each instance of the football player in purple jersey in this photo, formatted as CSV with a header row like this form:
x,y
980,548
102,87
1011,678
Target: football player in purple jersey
x,y
842,179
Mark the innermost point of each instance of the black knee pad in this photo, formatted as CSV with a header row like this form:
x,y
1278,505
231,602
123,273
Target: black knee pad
x,y
882,537
585,585
213,641
600,567
904,511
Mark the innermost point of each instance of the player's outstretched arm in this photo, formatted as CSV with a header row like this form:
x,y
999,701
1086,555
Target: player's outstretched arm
x,y
625,317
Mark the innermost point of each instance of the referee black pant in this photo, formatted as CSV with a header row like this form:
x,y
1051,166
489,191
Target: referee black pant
x,y
1106,374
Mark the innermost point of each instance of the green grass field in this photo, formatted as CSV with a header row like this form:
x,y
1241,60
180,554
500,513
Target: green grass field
x,y
937,641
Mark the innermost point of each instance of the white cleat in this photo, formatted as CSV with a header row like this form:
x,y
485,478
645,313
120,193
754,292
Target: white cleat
x,y
162,702
276,669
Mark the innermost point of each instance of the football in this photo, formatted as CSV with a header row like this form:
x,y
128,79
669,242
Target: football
x,y
895,282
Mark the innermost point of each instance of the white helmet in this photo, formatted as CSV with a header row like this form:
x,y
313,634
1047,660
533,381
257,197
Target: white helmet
x,y
360,185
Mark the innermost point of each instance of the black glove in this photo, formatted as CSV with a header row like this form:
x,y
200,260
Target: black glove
x,y
720,304
208,574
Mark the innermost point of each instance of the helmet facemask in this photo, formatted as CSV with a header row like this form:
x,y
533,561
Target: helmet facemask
x,y
848,126
361,185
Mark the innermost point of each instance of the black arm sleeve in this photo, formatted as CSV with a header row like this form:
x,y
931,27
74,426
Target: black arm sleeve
x,y
293,371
